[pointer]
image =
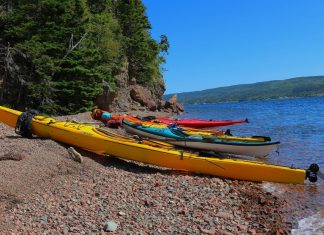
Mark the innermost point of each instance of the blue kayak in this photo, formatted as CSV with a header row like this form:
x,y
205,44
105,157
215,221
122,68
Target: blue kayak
x,y
176,136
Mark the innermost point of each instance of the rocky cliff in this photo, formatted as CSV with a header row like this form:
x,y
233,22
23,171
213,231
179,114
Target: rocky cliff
x,y
130,96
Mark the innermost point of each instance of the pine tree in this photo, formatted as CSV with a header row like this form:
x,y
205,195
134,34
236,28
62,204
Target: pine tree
x,y
70,49
141,50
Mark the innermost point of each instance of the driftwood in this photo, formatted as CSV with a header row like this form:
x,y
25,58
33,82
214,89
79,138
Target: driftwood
x,y
75,155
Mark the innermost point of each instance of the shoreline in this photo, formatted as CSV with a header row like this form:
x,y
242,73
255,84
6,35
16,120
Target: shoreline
x,y
256,100
46,191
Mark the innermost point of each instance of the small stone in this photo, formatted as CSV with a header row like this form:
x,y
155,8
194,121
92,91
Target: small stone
x,y
183,211
224,215
110,226
208,231
242,227
171,189
66,230
44,219
121,213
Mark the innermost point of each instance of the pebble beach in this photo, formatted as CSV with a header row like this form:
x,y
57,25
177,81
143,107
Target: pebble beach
x,y
45,191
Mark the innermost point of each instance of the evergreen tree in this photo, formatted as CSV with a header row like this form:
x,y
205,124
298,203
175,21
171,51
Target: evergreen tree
x,y
164,46
141,50
58,53
70,49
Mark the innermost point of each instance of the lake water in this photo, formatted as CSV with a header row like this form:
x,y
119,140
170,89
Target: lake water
x,y
297,123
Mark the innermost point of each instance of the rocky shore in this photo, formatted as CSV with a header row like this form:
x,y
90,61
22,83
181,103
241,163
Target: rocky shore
x,y
43,190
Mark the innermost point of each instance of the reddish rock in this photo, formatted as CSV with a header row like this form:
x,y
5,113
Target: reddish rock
x,y
157,184
242,227
208,231
183,212
143,96
262,201
223,232
173,99
224,215
173,105
180,107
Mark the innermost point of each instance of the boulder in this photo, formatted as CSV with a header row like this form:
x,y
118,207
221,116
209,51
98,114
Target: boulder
x,y
122,102
105,100
179,107
143,96
129,95
172,100
173,105
160,104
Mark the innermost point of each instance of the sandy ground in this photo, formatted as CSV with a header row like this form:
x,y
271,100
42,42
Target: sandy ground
x,y
43,190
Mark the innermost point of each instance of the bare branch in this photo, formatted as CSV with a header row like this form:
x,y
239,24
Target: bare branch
x,y
74,46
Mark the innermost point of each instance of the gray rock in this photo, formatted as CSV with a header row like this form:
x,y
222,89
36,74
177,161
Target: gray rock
x,y
66,230
44,219
121,213
110,226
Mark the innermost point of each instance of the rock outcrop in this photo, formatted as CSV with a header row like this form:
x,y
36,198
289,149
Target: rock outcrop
x,y
105,100
173,105
143,96
130,96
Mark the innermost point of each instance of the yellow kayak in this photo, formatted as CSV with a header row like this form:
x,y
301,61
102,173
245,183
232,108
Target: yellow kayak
x,y
160,154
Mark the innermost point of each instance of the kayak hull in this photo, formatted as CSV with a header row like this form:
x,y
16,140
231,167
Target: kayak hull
x,y
197,123
89,138
113,120
207,133
255,149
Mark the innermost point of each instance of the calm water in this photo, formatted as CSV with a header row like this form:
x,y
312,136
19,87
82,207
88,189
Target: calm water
x,y
297,123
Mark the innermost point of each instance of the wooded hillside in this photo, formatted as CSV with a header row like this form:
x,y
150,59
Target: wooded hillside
x,y
56,55
294,87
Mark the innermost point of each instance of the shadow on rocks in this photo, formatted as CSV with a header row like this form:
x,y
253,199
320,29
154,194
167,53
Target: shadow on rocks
x,y
21,137
128,165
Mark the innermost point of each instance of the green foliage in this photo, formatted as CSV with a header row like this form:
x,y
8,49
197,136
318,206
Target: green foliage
x,y
141,50
164,46
67,48
295,87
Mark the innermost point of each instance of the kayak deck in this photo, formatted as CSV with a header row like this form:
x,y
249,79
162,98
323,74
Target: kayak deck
x,y
179,138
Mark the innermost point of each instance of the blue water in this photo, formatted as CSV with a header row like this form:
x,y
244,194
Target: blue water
x,y
297,123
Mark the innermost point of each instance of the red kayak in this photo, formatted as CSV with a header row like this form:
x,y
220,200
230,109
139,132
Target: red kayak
x,y
116,120
198,123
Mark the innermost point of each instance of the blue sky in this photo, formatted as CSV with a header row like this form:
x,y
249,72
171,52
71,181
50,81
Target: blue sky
x,y
215,43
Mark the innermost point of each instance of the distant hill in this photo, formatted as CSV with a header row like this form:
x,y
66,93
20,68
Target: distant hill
x,y
294,87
